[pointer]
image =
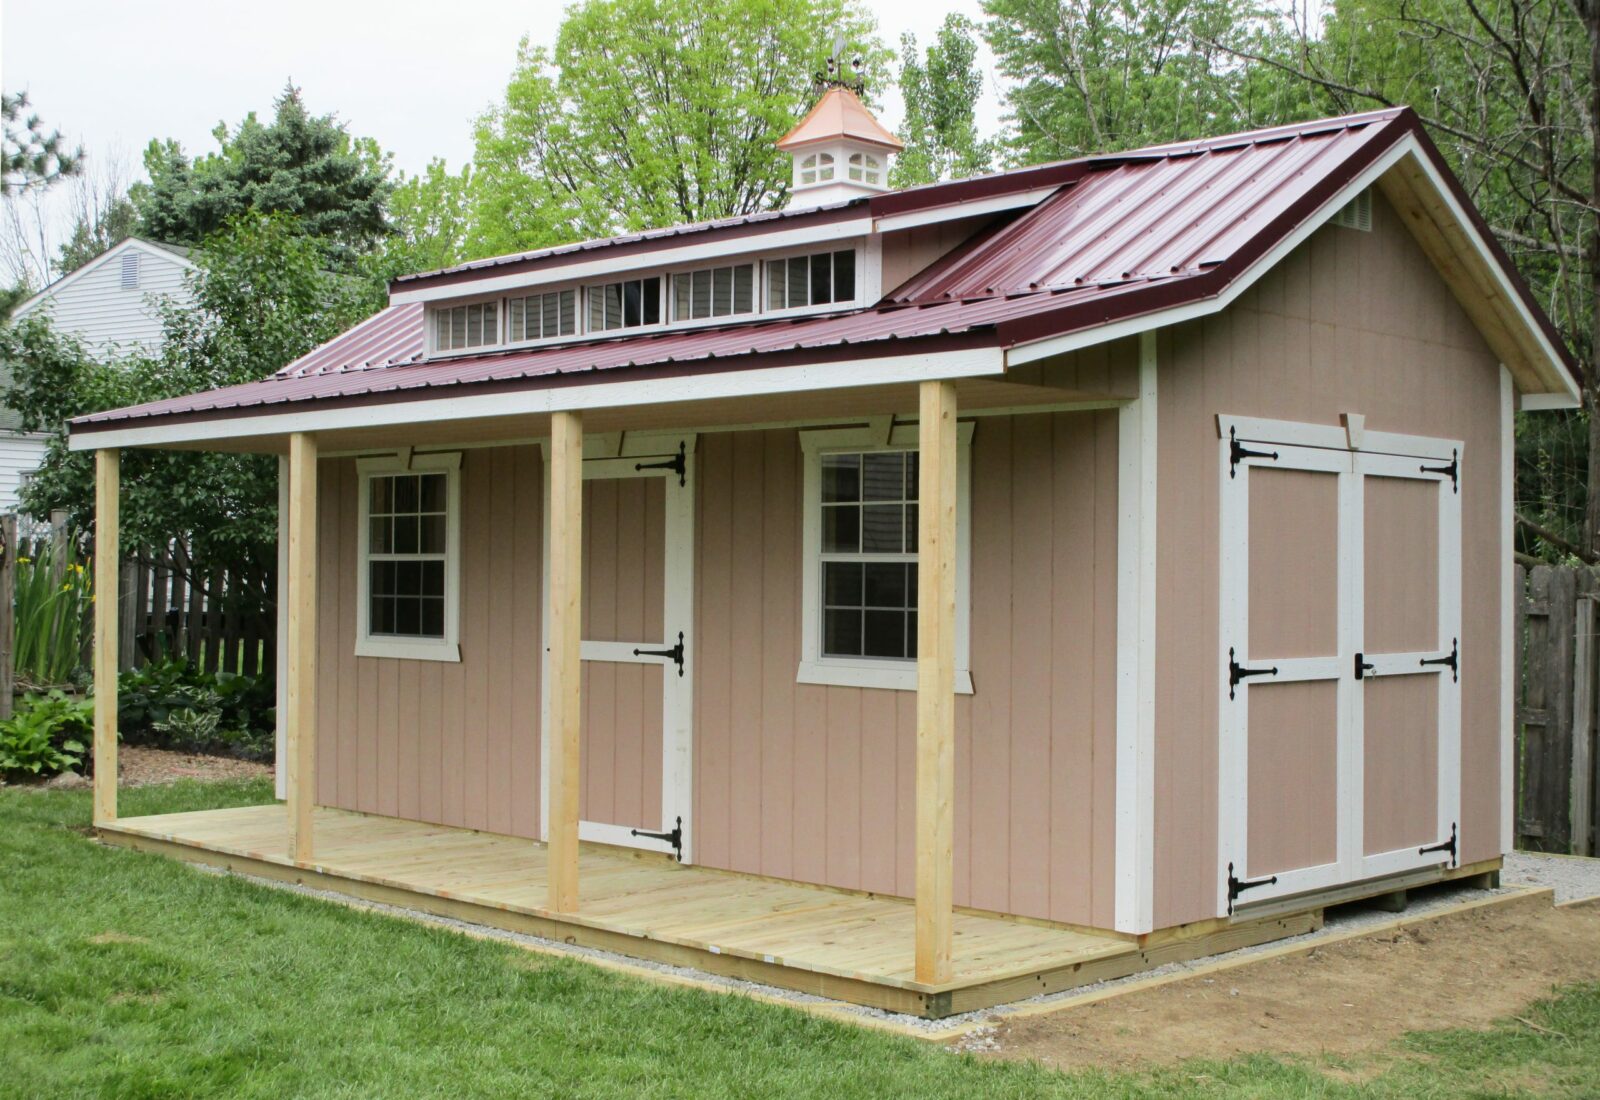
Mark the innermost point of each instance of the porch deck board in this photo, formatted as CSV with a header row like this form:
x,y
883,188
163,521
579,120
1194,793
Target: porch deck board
x,y
807,937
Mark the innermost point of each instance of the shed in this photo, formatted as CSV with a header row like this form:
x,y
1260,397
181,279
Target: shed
x,y
926,597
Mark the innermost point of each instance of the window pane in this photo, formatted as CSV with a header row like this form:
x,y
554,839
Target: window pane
x,y
382,615
913,469
382,578
884,634
841,477
882,529
841,525
433,618
405,493
799,281
550,315
911,529
702,294
408,617
432,535
378,529
883,475
381,495
630,303
682,285
821,280
844,275
514,314
885,584
841,633
722,292
433,493
911,634
433,578
408,578
841,583
613,294
743,288
652,300
776,282
569,312
405,534
597,308
458,328
491,322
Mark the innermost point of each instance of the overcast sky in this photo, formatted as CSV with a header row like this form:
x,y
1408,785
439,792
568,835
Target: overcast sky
x,y
115,73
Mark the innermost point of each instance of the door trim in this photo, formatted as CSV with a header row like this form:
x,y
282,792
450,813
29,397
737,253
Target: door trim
x,y
677,714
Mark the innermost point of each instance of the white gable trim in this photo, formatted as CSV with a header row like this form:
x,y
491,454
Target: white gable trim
x,y
131,244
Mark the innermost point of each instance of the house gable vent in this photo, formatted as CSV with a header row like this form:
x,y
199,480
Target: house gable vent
x,y
1357,213
130,270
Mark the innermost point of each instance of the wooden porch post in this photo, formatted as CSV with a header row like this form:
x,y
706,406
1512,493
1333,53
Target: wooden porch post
x,y
107,567
566,606
936,659
299,586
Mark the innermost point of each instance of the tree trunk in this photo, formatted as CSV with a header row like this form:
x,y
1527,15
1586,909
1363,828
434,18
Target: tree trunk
x,y
1589,11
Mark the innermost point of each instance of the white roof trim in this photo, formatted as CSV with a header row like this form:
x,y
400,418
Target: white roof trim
x,y
118,249
971,209
802,378
1406,147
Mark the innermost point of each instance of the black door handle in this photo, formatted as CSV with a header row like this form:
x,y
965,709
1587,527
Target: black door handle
x,y
1362,667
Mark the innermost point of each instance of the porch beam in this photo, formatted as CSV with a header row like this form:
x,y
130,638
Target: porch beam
x,y
107,562
936,659
565,605
300,588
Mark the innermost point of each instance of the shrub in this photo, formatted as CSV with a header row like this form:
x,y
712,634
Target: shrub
x,y
46,735
172,704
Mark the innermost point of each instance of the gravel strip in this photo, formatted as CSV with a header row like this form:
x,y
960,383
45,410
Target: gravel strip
x,y
1573,878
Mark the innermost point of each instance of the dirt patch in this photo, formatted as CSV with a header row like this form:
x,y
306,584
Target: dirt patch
x,y
116,937
142,766
1344,999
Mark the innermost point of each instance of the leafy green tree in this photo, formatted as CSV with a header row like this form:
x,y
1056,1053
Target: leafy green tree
x,y
303,165
431,217
653,112
30,156
95,232
941,93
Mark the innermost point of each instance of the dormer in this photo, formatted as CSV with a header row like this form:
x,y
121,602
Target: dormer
x,y
840,151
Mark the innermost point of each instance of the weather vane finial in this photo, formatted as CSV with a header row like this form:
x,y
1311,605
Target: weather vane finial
x,y
834,76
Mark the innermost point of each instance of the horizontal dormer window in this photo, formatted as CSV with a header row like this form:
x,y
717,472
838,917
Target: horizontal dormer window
x,y
542,316
713,292
627,304
466,326
821,278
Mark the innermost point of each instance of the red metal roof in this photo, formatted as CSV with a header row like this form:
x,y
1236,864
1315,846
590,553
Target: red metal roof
x,y
1122,237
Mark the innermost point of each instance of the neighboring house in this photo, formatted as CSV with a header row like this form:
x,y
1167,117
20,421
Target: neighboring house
x,y
111,304
927,598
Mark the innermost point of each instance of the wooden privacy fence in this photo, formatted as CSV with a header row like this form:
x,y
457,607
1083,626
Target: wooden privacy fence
x,y
1558,676
220,619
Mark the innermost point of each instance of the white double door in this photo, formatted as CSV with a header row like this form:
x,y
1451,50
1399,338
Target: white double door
x,y
1340,659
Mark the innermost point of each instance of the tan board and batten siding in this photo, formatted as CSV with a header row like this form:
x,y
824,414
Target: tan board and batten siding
x,y
808,782
1356,322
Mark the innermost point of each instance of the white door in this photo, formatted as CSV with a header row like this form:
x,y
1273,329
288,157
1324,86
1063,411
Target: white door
x,y
1339,753
635,739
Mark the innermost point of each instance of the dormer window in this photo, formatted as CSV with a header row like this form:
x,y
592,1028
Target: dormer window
x,y
626,304
819,279
713,292
543,316
816,168
864,168
471,326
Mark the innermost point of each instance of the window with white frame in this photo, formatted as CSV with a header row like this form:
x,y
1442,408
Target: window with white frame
x,y
860,545
816,168
864,168
713,292
542,316
821,278
472,326
629,303
409,555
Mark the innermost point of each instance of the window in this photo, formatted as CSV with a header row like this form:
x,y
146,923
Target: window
x,y
816,168
410,522
816,280
864,168
627,304
860,584
542,316
713,292
458,327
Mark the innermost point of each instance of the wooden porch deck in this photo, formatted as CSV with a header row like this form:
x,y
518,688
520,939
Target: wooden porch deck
x,y
846,946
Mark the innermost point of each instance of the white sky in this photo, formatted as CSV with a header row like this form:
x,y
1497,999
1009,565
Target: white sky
x,y
113,74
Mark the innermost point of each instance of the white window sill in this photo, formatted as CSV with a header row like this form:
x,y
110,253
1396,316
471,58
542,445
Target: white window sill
x,y
895,676
403,650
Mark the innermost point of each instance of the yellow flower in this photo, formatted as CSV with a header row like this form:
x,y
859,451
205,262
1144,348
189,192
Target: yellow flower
x,y
24,561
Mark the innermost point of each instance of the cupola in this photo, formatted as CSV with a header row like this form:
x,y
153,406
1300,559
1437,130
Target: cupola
x,y
840,151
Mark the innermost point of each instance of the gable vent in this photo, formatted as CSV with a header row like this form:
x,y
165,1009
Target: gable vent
x,y
1357,214
130,270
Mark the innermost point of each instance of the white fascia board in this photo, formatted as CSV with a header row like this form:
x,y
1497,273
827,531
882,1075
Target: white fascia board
x,y
133,243
585,268
972,209
394,409
1406,147
1539,402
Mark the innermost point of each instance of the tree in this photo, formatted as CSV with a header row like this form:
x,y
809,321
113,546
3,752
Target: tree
x,y
302,165
31,157
103,216
1097,76
651,113
941,93
430,216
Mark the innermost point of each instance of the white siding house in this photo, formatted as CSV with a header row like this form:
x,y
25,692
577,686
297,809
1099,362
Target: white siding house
x,y
111,304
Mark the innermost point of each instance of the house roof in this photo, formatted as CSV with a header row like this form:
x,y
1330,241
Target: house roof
x,y
178,252
839,114
1123,243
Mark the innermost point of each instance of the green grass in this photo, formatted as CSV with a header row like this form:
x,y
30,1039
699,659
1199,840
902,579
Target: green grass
x,y
131,976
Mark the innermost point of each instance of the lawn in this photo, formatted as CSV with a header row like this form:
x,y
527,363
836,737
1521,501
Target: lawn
x,y
128,975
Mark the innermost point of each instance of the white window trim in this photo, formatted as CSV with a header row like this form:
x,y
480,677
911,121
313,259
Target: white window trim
x,y
577,332
876,672
626,330
447,648
431,321
671,295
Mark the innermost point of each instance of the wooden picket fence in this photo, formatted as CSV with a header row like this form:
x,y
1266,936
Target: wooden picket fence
x,y
1558,677
218,619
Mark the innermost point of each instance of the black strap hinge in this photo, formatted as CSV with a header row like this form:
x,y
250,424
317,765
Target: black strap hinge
x,y
675,653
1443,846
678,464
1237,886
1238,452
1453,661
1454,470
1237,672
674,838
